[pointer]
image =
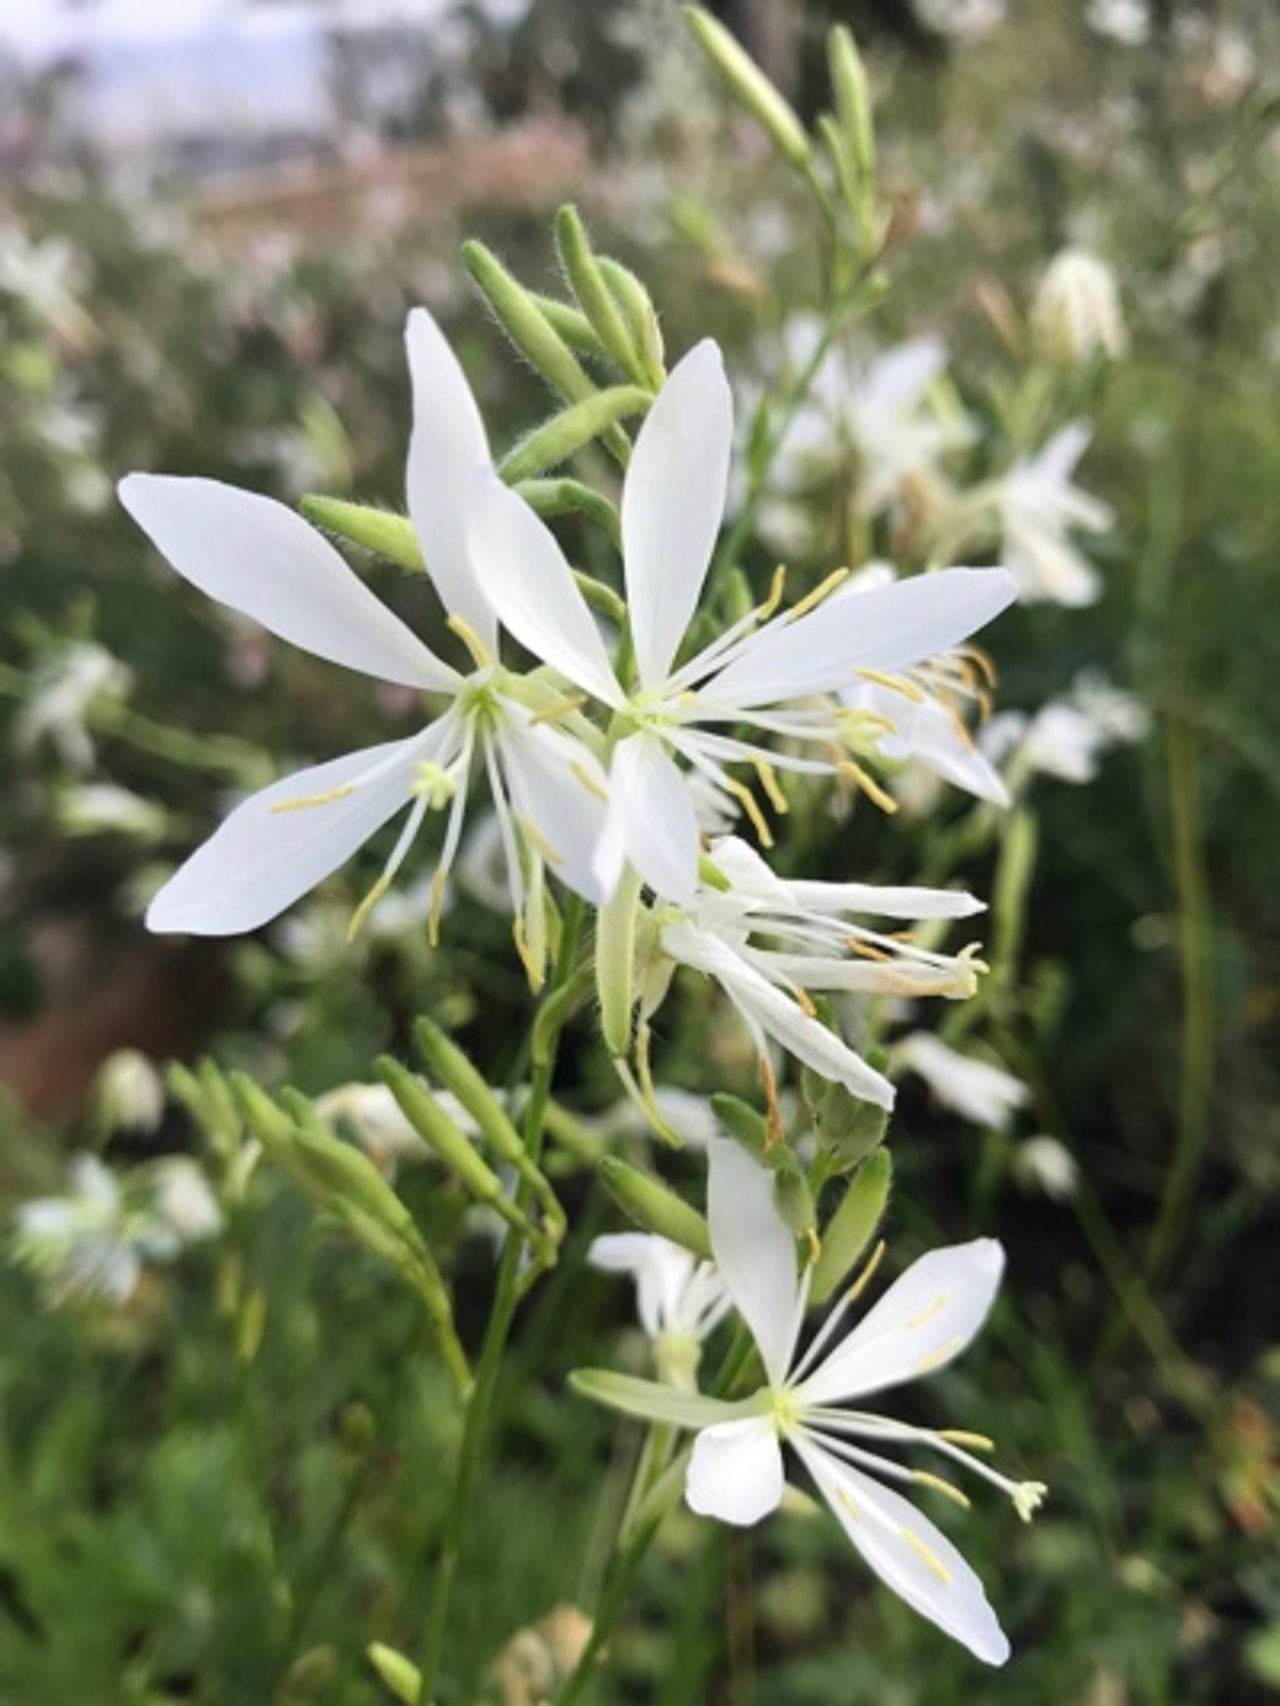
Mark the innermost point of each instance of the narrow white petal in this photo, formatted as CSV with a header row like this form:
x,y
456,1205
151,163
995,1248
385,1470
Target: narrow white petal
x,y
887,628
769,1012
673,504
264,857
531,586
655,816
908,1553
260,558
558,786
447,449
735,1472
924,1319
661,1271
884,901
755,1252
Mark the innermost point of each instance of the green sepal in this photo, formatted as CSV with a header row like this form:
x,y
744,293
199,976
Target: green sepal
x,y
379,530
853,1225
654,1402
654,1206
556,440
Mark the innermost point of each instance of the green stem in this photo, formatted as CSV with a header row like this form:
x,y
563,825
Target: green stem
x,y
507,1295
616,1587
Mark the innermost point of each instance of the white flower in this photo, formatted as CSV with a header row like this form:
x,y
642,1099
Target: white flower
x,y
817,948
679,1299
67,687
961,20
673,502
1127,21
1067,737
183,1199
924,1320
981,1092
1043,1163
1076,312
1038,503
263,560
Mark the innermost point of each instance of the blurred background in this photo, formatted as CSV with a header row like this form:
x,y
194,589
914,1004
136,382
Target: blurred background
x,y
223,1449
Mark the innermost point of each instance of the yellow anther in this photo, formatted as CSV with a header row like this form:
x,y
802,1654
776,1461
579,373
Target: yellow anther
x,y
562,708
854,773
814,598
581,774
895,684
866,951
970,1442
769,1084
367,905
929,1556
435,909
927,1313
804,1002
863,1280
749,804
434,783
471,640
304,802
769,782
814,1243
776,589
536,840
534,971
925,1479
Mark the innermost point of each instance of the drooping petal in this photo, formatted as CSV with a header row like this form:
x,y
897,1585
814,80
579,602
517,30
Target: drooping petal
x,y
531,586
768,1012
558,788
755,1253
447,449
673,504
661,1271
735,1473
924,1319
908,1553
887,628
653,813
255,555
272,849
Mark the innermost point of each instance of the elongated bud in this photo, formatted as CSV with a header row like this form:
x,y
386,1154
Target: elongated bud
x,y
853,109
1076,315
398,1675
750,87
853,1225
616,963
642,318
571,497
525,323
439,1132
587,279
570,322
742,1122
446,1061
556,440
655,1207
390,536
793,1198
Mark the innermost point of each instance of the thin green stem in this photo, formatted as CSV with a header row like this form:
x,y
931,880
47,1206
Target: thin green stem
x,y
616,1587
507,1295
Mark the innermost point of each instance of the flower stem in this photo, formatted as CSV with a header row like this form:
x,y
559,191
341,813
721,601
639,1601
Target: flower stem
x,y
508,1293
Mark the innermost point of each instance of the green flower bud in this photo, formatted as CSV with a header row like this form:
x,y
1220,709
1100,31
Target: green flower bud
x,y
616,963
379,530
750,87
642,318
745,1124
400,1677
591,288
556,440
655,1207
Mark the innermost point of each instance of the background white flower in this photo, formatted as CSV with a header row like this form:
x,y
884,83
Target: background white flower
x,y
1039,504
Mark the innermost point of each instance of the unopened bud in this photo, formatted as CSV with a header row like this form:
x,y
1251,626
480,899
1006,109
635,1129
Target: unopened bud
x,y
396,1672
750,87
378,530
1076,313
853,1225
655,1207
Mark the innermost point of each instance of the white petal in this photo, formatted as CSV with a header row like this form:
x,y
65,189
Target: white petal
x,y
735,1473
528,582
655,817
673,504
661,1271
924,1319
886,628
755,1252
447,449
908,1553
260,558
884,901
263,858
558,786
